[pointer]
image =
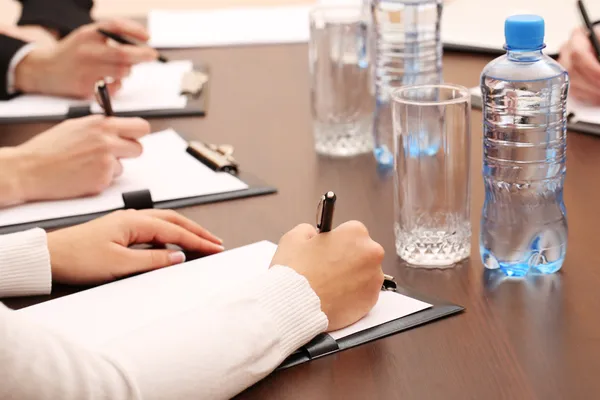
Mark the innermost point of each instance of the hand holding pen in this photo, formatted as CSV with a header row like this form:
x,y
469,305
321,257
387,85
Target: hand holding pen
x,y
343,267
72,66
580,57
589,27
325,222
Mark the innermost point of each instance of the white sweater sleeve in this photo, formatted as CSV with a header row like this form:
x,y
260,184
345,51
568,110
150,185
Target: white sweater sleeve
x,y
211,352
24,264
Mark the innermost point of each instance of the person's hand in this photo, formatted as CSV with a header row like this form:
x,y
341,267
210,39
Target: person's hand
x,y
343,267
77,62
78,157
577,56
98,251
31,34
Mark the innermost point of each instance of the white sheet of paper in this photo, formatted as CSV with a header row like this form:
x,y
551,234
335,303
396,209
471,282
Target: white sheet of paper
x,y
480,23
36,106
232,26
151,86
583,112
165,168
389,307
96,316
476,100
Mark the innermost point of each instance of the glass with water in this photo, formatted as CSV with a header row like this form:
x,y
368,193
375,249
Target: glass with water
x,y
432,141
342,104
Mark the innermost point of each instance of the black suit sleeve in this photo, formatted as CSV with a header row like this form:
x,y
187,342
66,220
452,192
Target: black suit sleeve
x,y
62,15
8,48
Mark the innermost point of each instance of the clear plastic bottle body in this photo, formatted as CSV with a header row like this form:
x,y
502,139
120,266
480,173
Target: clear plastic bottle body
x,y
523,224
406,50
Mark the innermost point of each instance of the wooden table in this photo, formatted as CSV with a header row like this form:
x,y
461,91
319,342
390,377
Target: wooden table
x,y
538,338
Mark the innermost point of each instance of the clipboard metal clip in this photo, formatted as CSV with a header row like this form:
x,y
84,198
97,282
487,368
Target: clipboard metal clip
x,y
193,83
217,157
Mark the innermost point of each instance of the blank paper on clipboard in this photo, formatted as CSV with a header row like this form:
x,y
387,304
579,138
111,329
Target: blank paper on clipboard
x,y
150,87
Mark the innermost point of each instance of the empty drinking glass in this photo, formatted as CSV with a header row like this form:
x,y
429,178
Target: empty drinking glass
x,y
342,104
432,141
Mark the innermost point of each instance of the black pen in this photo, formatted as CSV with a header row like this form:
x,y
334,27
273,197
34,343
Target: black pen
x,y
103,98
590,28
326,208
122,40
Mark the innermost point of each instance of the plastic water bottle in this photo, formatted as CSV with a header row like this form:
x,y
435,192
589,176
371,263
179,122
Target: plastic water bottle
x,y
407,51
524,225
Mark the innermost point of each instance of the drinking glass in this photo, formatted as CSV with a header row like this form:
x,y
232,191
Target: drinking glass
x,y
342,104
432,141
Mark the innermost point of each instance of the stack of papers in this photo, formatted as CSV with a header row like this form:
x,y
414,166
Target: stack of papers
x,y
225,27
479,24
473,24
234,26
164,168
94,317
151,86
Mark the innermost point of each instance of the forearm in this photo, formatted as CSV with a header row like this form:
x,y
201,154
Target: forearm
x,y
24,264
12,191
211,351
32,70
38,364
218,349
22,177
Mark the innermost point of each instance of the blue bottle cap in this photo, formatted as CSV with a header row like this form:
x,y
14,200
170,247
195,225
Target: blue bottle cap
x,y
524,32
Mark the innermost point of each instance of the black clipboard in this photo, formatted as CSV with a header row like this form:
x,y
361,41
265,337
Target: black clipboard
x,y
197,105
459,48
142,199
582,127
497,52
324,344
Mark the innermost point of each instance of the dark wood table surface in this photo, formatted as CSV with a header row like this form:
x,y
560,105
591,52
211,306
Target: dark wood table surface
x,y
535,338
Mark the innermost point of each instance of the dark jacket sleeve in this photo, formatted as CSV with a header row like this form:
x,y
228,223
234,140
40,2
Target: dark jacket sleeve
x,y
62,15
8,48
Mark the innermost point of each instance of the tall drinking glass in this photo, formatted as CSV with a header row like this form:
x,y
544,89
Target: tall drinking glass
x,y
342,104
432,141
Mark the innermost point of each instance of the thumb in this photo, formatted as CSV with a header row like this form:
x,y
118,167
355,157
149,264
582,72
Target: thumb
x,y
143,260
114,87
301,232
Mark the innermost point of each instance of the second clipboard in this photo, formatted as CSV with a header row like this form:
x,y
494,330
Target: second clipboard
x,y
192,90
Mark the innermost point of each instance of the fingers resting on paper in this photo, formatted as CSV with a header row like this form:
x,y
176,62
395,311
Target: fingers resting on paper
x,y
178,219
99,251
